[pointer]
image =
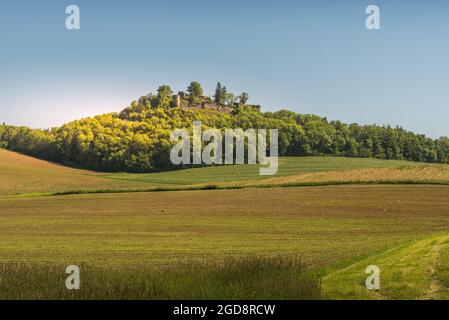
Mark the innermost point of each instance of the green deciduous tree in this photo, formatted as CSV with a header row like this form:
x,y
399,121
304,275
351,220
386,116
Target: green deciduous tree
x,y
164,96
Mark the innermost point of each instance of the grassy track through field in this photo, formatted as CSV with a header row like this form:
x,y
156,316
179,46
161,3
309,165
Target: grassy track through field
x,y
415,270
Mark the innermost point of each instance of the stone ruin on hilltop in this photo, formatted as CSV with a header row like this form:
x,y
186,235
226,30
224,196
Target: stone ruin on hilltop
x,y
182,100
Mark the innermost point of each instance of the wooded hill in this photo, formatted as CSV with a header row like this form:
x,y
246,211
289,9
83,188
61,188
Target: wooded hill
x,y
138,138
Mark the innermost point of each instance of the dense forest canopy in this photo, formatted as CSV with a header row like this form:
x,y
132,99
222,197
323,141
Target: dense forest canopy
x,y
138,138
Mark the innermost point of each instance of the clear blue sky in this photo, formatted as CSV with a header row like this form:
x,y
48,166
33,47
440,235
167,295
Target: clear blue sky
x,y
310,57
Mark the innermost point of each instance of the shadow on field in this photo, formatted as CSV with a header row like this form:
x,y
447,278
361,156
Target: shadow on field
x,y
235,278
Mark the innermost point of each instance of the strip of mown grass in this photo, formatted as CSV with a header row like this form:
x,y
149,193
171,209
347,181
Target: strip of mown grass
x,y
413,270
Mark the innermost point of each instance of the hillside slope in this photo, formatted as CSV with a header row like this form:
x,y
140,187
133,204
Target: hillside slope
x,y
22,174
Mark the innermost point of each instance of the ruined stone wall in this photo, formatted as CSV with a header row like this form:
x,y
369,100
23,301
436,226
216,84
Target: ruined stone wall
x,y
179,101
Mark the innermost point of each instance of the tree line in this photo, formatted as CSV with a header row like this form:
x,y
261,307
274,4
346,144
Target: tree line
x,y
137,139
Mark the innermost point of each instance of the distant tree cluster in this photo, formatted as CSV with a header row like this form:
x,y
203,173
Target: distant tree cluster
x,y
138,138
164,97
222,96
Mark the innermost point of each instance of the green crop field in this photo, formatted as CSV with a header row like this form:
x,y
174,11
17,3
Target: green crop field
x,y
288,166
240,243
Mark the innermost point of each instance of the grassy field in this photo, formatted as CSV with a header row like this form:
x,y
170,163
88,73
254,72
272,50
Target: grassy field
x,y
288,166
21,174
234,278
418,174
192,237
322,224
